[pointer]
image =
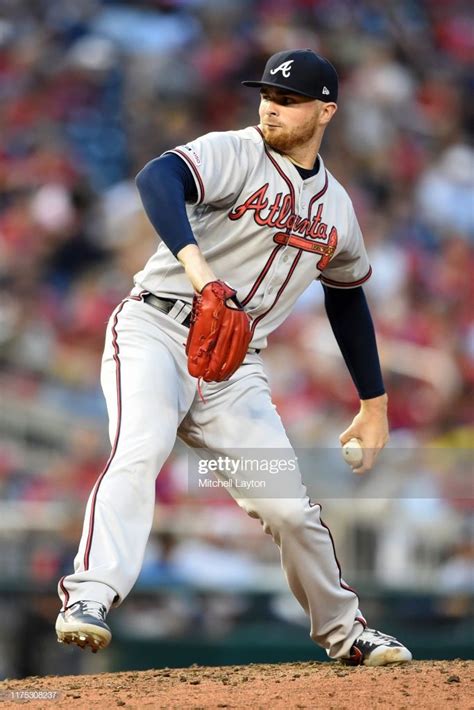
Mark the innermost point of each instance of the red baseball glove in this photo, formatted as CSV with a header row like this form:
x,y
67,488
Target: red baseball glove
x,y
219,335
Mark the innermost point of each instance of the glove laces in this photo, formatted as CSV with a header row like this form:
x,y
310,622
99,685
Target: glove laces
x,y
199,389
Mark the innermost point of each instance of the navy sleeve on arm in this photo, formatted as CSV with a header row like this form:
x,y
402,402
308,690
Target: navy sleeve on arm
x,y
352,325
165,185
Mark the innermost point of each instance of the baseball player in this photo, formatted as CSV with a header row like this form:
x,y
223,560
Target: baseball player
x,y
247,220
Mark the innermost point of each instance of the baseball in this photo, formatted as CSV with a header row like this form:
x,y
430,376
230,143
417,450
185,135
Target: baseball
x,y
352,452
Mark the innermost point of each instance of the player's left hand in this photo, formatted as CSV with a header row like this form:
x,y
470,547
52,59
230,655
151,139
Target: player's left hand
x,y
219,334
370,426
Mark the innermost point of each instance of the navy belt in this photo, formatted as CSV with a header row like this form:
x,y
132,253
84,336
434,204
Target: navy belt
x,y
179,310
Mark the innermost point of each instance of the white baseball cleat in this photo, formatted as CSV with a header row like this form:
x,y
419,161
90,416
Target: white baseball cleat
x,y
83,623
373,648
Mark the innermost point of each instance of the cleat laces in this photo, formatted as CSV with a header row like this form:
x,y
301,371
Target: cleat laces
x,y
92,608
376,638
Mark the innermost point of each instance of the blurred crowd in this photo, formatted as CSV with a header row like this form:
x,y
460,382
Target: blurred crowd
x,y
92,90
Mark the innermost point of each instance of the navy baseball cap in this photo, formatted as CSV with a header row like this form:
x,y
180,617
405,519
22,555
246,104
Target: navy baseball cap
x,y
300,71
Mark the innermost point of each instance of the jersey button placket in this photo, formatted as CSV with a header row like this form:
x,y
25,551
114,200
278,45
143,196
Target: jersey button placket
x,y
302,202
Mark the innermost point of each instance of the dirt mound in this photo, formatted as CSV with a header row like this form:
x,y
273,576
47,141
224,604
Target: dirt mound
x,y
422,684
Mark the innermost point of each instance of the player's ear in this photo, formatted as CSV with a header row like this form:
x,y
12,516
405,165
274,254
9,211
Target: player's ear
x,y
327,112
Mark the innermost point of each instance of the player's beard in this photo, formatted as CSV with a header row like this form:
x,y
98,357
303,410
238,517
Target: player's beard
x,y
285,140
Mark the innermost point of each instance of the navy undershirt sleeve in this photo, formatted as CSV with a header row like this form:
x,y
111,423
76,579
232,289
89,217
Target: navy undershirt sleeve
x,y
352,325
165,184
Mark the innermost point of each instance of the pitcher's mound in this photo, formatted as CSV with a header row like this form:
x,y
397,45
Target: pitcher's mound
x,y
321,686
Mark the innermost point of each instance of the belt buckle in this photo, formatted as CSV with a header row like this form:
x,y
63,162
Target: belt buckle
x,y
180,311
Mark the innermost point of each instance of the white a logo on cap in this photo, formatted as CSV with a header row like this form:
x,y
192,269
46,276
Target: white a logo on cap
x,y
325,90
285,68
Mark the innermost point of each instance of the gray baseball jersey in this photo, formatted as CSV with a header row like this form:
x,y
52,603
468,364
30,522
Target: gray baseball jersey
x,y
262,228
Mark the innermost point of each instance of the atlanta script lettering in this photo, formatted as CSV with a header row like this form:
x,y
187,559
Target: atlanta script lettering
x,y
308,234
